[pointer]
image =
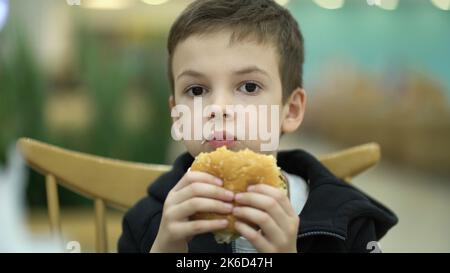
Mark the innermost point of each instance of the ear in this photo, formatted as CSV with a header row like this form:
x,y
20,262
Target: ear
x,y
171,105
293,111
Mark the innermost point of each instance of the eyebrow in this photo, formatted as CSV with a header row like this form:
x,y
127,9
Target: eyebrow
x,y
243,71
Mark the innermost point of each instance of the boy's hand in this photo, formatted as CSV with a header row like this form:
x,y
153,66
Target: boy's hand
x,y
195,192
270,209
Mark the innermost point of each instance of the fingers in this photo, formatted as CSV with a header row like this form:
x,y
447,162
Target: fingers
x,y
191,228
271,210
270,229
197,204
198,189
276,194
254,237
195,192
194,176
264,203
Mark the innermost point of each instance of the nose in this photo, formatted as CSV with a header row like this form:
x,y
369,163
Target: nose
x,y
221,105
217,111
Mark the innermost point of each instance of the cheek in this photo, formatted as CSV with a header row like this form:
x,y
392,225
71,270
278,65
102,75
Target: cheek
x,y
193,147
273,92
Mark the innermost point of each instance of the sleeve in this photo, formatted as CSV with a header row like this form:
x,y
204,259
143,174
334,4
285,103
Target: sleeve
x,y
140,226
127,243
362,236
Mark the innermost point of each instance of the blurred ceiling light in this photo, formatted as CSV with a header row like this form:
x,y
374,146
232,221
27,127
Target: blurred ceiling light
x,y
155,2
282,2
387,4
4,8
105,4
330,4
441,4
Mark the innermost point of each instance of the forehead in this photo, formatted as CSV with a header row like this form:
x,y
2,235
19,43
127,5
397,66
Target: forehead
x,y
215,52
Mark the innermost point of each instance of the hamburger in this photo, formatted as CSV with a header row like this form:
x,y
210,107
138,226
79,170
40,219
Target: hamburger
x,y
238,170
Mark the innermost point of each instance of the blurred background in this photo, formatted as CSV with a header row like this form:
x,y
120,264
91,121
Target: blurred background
x,y
90,75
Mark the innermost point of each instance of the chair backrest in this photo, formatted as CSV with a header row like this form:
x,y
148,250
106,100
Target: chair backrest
x,y
120,184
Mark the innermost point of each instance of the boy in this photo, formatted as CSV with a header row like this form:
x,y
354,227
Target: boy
x,y
237,52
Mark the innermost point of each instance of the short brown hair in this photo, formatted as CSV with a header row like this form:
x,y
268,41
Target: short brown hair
x,y
264,20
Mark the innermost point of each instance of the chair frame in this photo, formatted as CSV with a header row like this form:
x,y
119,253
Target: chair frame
x,y
105,180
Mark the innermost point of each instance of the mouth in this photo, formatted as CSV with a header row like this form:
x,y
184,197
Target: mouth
x,y
220,138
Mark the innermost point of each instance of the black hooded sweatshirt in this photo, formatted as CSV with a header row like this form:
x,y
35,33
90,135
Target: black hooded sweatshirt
x,y
337,217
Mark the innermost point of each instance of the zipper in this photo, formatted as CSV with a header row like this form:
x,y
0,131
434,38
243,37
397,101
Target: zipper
x,y
325,233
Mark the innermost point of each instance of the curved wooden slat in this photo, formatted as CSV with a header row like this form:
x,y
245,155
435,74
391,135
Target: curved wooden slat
x,y
118,183
348,163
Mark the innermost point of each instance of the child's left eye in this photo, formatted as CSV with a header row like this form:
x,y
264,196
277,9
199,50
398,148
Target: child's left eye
x,y
250,88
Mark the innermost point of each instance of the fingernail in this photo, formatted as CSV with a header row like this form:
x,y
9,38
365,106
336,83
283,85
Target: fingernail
x,y
238,196
229,206
223,222
235,209
250,188
229,194
219,182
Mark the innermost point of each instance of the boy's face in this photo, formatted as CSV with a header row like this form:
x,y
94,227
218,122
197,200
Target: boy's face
x,y
222,75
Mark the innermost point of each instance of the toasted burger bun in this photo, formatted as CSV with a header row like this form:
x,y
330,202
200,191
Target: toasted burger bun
x,y
238,170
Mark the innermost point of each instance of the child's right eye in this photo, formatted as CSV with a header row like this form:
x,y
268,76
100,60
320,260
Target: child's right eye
x,y
196,91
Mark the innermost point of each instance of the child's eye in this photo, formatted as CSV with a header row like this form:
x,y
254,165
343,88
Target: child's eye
x,y
196,91
250,88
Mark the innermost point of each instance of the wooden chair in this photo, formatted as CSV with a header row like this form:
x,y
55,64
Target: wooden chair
x,y
121,184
